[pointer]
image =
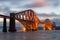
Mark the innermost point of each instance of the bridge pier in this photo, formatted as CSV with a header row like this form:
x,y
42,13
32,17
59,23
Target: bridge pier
x,y
12,23
4,25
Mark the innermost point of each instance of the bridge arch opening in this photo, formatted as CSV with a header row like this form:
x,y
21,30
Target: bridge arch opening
x,y
19,26
40,27
2,23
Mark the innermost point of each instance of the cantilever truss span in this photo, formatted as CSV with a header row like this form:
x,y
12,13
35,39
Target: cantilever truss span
x,y
28,18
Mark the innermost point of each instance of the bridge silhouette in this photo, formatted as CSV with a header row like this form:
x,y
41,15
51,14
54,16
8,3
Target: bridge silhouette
x,y
28,18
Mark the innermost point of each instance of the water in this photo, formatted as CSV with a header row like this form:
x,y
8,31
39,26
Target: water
x,y
36,35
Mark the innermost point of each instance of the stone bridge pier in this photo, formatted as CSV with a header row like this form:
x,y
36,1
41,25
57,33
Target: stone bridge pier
x,y
12,23
4,25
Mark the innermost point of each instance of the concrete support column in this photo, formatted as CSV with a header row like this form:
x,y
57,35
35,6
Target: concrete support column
x,y
4,25
12,23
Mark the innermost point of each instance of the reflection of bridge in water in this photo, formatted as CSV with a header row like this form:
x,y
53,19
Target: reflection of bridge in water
x,y
28,18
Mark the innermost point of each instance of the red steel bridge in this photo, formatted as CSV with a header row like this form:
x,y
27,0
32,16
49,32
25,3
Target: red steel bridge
x,y
28,18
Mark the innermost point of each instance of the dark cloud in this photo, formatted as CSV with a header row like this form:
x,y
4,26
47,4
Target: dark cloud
x,y
5,9
11,0
19,4
31,5
53,3
48,15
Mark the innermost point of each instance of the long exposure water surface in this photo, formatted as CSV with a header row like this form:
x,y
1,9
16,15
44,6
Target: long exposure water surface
x,y
31,35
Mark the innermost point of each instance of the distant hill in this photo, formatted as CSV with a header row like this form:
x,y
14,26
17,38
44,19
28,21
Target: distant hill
x,y
57,28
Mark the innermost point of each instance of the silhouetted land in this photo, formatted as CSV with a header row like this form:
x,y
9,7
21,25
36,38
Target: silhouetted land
x,y
57,28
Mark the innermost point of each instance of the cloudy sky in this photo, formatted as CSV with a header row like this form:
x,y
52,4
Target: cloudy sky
x,y
43,8
39,6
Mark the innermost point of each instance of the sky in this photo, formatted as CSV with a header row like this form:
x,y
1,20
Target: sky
x,y
43,8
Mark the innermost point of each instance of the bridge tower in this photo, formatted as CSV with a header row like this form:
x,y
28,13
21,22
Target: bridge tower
x,y
12,23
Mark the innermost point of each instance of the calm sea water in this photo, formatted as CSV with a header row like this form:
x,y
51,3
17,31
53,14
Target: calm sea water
x,y
31,35
37,35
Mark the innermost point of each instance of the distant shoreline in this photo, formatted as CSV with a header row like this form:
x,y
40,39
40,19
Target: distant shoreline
x,y
57,28
39,28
